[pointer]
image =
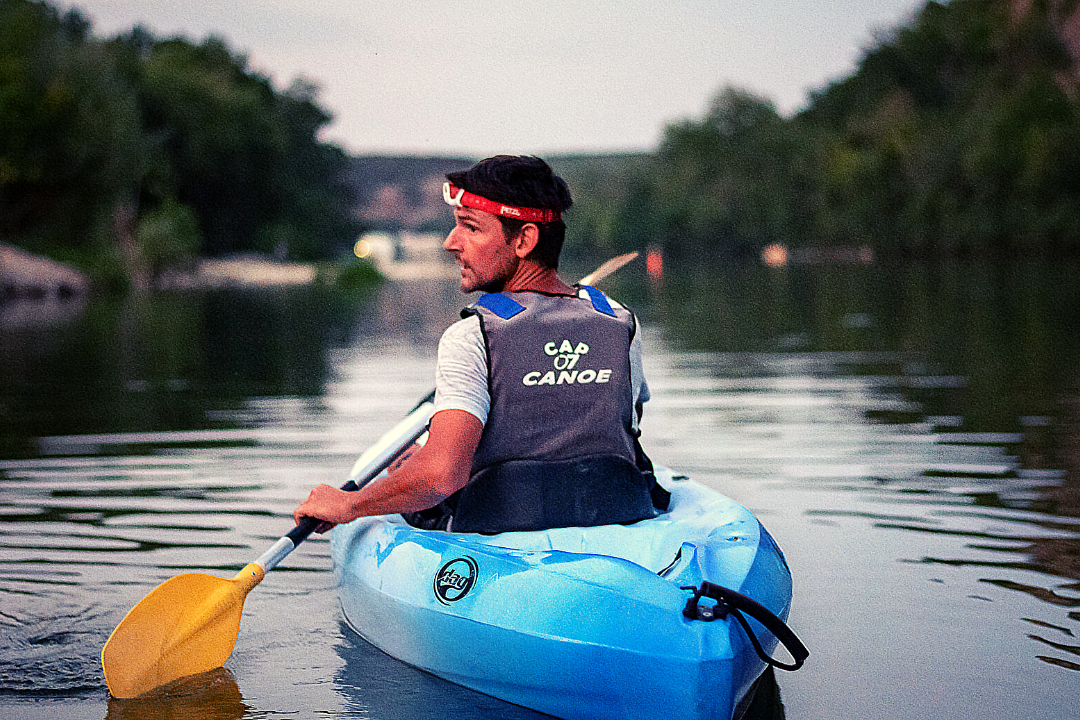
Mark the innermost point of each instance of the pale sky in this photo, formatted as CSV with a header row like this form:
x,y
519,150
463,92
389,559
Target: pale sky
x,y
481,77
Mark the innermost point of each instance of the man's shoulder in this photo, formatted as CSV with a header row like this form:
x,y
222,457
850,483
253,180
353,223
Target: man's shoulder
x,y
464,333
512,305
467,325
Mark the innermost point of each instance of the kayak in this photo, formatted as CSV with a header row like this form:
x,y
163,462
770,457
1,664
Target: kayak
x,y
599,622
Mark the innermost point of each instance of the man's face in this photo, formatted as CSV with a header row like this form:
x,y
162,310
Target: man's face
x,y
479,245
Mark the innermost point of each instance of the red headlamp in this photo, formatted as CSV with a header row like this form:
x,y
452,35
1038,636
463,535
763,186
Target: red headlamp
x,y
460,198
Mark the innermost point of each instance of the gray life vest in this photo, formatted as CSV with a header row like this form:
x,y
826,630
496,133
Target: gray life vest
x,y
559,447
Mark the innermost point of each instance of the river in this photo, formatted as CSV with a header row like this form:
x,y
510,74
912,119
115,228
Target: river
x,y
910,435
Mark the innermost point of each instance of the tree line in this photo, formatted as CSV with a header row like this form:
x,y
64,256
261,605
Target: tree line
x,y
958,135
139,153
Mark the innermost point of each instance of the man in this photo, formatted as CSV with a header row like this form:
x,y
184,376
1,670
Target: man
x,y
538,388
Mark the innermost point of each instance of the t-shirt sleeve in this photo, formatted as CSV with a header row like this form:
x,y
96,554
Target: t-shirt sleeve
x,y
637,367
461,373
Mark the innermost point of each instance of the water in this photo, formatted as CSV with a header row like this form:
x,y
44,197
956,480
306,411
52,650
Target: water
x,y
910,437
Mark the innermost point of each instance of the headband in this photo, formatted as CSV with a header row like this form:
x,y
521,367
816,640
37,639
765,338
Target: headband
x,y
460,198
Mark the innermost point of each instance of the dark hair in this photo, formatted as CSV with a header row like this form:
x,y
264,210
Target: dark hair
x,y
522,181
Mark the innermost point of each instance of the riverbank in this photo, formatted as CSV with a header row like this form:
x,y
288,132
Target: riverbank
x,y
36,291
24,275
248,270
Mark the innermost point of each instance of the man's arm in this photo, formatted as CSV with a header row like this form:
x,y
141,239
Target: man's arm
x,y
426,477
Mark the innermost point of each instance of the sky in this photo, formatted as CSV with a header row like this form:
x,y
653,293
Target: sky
x,y
481,77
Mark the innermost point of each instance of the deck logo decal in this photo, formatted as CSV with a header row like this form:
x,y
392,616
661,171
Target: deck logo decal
x,y
455,580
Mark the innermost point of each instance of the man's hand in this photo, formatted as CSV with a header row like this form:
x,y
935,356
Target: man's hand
x,y
330,504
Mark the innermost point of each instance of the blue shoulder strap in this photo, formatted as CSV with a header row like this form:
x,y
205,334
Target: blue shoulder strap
x,y
599,300
502,305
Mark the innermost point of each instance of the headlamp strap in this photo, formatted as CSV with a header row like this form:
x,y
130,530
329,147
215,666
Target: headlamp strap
x,y
458,197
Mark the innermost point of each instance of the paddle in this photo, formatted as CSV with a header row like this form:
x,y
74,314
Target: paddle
x,y
189,623
607,268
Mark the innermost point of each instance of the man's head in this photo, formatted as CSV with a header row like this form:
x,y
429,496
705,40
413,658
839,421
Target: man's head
x,y
518,183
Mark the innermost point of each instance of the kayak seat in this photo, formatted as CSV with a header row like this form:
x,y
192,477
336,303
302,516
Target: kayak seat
x,y
526,495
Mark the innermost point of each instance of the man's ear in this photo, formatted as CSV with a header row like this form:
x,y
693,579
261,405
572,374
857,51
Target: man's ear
x,y
526,240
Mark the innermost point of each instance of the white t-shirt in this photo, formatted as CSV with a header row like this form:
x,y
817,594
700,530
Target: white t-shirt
x,y
461,373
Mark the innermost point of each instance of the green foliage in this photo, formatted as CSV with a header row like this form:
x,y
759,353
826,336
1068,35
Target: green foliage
x,y
355,275
216,127
958,134
168,236
728,184
69,134
174,144
598,185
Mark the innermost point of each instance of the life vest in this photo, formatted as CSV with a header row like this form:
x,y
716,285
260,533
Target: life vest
x,y
559,448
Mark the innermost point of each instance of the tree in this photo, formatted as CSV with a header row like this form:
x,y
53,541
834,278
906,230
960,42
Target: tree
x,y
730,183
69,134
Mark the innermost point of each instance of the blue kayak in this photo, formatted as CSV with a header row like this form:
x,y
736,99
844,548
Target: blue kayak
x,y
600,622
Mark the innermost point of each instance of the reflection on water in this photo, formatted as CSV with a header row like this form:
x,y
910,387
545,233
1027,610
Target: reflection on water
x,y
376,685
911,436
212,695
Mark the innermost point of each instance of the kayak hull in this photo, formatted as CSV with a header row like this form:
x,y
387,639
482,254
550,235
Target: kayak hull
x,y
573,622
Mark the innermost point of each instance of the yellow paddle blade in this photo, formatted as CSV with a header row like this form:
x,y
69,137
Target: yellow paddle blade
x,y
607,268
186,625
